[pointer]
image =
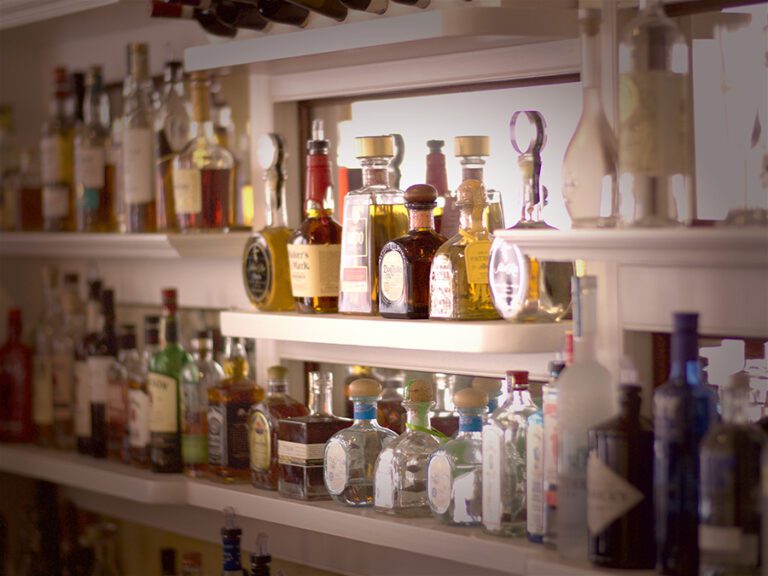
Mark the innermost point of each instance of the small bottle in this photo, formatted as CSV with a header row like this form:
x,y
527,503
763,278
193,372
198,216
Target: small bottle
x,y
400,475
263,424
138,395
168,562
82,376
472,152
231,536
16,423
354,373
118,404
196,379
390,412
261,559
192,564
549,407
102,353
444,418
459,275
350,455
534,475
455,471
228,405
729,501
334,9
301,442
620,488
373,6
437,177
314,249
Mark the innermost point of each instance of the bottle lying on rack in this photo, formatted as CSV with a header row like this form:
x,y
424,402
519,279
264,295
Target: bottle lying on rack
x,y
217,17
374,6
334,9
282,12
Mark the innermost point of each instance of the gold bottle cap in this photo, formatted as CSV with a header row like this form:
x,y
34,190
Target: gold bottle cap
x,y
471,146
491,386
374,147
365,388
471,193
418,391
361,370
470,398
277,373
420,194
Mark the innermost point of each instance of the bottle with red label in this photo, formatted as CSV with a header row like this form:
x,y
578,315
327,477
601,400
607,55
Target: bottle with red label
x,y
16,385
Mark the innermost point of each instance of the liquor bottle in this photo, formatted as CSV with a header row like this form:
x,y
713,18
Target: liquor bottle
x,y
138,144
231,536
196,380
203,185
444,418
57,160
265,264
314,249
655,147
400,475
101,352
683,410
118,405
23,197
206,18
414,3
16,423
459,275
94,184
263,425
354,372
404,262
590,188
236,15
390,412
172,132
82,373
244,200
729,502
437,177
534,474
373,215
138,395
301,442
584,399
282,12
42,373
549,407
350,455
9,165
191,564
333,9
472,152
620,488
163,388
455,471
395,172
374,6
228,405
167,562
261,559
77,96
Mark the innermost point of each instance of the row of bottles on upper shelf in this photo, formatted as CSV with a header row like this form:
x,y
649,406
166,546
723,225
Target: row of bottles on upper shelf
x,y
225,17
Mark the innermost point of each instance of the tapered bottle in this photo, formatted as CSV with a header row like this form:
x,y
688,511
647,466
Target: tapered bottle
x,y
334,9
437,177
101,354
16,423
282,12
374,6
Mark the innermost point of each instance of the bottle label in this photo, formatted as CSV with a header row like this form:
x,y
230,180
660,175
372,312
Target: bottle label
x,y
609,496
42,399
335,467
138,165
508,276
194,449
392,272
296,454
493,469
534,460
441,288
55,201
739,547
89,168
228,435
383,496
98,377
163,403
139,418
62,366
439,476
217,436
116,400
258,270
187,191
314,270
82,401
550,448
476,260
55,160
355,239
261,442
354,280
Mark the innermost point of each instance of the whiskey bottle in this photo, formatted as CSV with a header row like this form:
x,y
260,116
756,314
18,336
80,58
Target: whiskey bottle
x,y
459,275
333,9
444,418
263,424
282,12
203,184
101,353
265,263
549,407
405,262
301,443
437,177
620,488
118,403
16,423
314,249
373,215
229,403
207,19
82,373
138,395
57,160
374,6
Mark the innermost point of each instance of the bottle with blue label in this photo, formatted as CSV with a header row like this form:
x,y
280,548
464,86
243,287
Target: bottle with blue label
x,y
231,535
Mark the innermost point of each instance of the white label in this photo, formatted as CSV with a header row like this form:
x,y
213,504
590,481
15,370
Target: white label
x,y
441,288
335,468
550,437
439,483
392,276
138,401
609,496
55,201
89,166
82,401
163,403
42,397
98,377
187,191
138,167
383,485
217,435
314,270
51,152
493,468
299,454
534,461
62,367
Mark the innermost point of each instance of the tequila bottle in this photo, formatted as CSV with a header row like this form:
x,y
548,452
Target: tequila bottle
x,y
118,406
549,408
455,471
373,215
400,475
444,418
101,353
350,455
138,395
355,372
459,275
16,423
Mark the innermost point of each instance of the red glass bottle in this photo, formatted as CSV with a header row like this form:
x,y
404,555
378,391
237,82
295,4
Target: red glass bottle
x,y
16,423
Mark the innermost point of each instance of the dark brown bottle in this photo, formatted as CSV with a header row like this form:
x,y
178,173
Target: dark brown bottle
x,y
414,3
101,353
329,8
282,12
207,19
375,6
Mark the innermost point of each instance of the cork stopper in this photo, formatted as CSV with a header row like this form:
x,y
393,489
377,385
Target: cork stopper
x,y
471,146
374,147
200,87
277,373
365,388
471,193
420,194
491,386
470,398
418,391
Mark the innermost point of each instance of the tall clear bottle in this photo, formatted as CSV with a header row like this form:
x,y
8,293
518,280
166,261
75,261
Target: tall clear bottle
x,y
138,395
590,188
42,373
118,403
101,353
82,373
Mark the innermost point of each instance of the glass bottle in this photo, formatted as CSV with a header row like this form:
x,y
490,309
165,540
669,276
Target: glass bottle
x,y
138,395
350,455
172,132
729,502
77,96
459,275
231,536
261,559
390,412
454,472
354,372
444,418
414,3
191,564
102,352
472,152
167,562
620,488
683,410
42,373
282,12
655,144
265,263
138,144
163,388
584,399
373,215
57,161
400,475
314,249
23,197
118,406
9,166
207,19
105,544
244,200
534,474
437,177
203,182
16,423
82,373
301,442
334,9
549,407
404,263
263,424
196,380
228,405
492,389
374,6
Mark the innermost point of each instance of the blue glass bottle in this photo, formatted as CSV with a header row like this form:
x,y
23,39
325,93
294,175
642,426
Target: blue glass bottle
x,y
683,411
231,535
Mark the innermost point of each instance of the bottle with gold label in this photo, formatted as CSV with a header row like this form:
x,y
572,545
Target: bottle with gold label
x,y
458,283
373,215
314,249
265,262
263,423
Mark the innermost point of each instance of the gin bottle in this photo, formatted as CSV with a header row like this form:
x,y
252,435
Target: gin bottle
x,y
400,475
350,455
549,409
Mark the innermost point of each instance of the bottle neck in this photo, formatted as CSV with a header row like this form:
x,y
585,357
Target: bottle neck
x,y
364,410
277,387
58,106
630,408
735,405
530,168
590,56
472,168
375,172
171,328
493,404
319,184
93,110
421,217
651,6
231,550
470,421
14,331
418,415
203,130
685,357
585,324
92,317
275,196
471,218
437,175
320,401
